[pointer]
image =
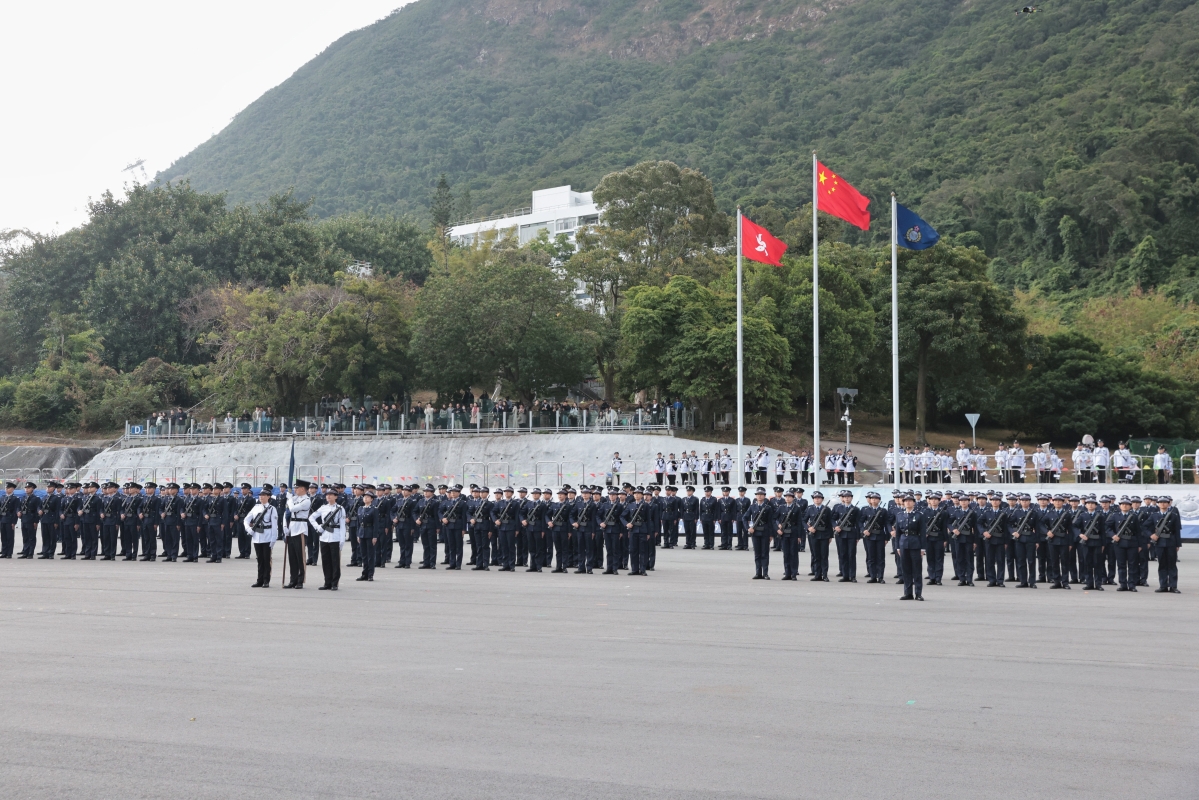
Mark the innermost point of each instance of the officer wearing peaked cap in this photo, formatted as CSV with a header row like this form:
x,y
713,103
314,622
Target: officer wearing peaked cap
x,y
819,524
761,524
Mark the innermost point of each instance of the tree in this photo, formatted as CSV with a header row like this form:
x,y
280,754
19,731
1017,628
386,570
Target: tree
x,y
660,215
952,318
441,209
682,339
501,311
392,245
1071,388
366,337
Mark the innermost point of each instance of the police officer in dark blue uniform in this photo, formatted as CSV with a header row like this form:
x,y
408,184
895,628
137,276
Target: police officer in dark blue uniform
x,y
819,524
29,512
963,528
635,519
846,533
1122,536
1024,541
368,535
908,530
1166,537
760,523
875,523
790,518
1088,537
995,526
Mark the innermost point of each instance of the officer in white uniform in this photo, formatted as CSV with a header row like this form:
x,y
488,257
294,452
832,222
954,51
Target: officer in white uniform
x,y
298,506
261,524
330,520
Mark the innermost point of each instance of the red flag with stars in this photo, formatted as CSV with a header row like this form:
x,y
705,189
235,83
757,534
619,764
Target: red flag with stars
x,y
836,196
758,245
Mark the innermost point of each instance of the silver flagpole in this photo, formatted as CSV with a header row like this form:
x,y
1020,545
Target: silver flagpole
x,y
895,339
816,455
740,353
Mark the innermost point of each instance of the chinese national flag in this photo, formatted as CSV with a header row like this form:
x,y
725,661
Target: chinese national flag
x,y
837,197
758,245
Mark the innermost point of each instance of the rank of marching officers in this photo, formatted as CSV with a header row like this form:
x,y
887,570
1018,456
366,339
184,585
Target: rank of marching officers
x,y
1059,540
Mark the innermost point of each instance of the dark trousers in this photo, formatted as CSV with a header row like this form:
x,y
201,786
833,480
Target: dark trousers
x,y
597,549
790,555
1043,562
355,555
68,534
726,534
1167,566
638,550
820,557
295,559
586,540
672,532
428,543
129,539
964,555
1056,569
191,541
453,547
216,542
980,560
403,536
507,548
1146,551
1092,565
1127,565
331,562
913,580
227,541
847,557
876,557
537,554
936,559
1109,559
612,539
522,548
108,541
1011,559
483,555
263,552
1026,561
314,545
743,536
689,532
761,553
562,544
49,539
8,539
709,534
244,542
366,550
150,541
996,558
28,539
89,538
170,540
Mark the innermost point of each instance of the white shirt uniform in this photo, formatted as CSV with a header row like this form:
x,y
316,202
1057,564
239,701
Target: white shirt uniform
x,y
267,535
298,507
1163,461
337,515
963,455
1103,457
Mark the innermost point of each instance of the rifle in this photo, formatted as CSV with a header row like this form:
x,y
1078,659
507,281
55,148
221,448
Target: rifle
x,y
934,523
449,515
868,530
791,509
329,523
474,520
964,521
1091,527
611,511
1023,522
1060,520
420,519
1127,519
754,524
995,525
637,514
819,516
1161,526
504,514
557,520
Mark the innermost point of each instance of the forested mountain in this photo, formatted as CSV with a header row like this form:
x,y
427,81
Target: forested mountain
x,y
1063,138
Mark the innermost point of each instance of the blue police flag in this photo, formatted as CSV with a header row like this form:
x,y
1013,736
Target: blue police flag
x,y
913,232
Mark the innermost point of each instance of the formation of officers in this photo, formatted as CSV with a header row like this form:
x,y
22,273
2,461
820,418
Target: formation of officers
x,y
986,536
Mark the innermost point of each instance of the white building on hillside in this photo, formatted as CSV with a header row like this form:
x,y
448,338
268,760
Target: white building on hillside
x,y
558,210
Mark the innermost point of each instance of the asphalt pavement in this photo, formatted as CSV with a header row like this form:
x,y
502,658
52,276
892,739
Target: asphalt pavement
x,y
149,680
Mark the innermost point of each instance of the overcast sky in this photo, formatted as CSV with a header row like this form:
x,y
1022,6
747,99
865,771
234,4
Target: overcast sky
x,y
90,88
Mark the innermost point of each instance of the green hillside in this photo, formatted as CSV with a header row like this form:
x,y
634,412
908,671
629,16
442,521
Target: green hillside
x,y
1063,137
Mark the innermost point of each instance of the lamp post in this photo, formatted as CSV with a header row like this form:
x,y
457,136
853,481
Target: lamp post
x,y
847,397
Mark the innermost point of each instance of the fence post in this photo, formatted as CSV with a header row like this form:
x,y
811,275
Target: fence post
x,y
377,424
557,419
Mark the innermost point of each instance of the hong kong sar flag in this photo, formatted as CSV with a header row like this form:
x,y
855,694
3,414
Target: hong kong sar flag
x,y
758,245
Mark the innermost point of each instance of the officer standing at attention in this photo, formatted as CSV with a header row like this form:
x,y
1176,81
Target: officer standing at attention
x,y
1166,536
368,533
29,510
845,529
610,514
994,524
50,520
453,526
8,519
426,527
635,519
89,520
759,521
963,526
790,530
298,506
1024,541
1056,526
689,512
908,530
819,524
935,535
111,506
709,512
261,523
149,516
330,523
245,504
1088,531
1121,526
875,523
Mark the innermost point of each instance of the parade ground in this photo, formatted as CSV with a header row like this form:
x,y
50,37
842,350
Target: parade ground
x,y
148,680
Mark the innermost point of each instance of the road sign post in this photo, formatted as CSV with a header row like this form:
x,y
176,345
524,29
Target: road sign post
x,y
973,420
